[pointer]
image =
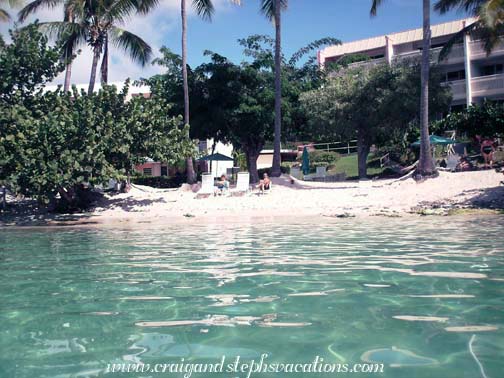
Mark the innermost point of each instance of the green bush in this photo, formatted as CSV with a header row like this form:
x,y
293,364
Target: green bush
x,y
159,181
319,157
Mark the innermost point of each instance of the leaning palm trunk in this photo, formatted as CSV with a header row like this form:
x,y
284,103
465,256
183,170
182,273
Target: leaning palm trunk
x,y
191,176
275,170
104,64
94,66
425,164
68,76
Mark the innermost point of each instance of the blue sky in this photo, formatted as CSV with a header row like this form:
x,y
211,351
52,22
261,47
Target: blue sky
x,y
303,22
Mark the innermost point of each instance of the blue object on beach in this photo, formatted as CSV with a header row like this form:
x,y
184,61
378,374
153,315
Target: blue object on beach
x,y
435,139
305,166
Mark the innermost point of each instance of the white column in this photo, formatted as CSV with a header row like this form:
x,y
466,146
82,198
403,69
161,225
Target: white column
x,y
467,64
389,49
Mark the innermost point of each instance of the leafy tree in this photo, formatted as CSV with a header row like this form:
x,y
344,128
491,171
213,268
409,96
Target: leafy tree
x,y
26,65
374,105
486,120
426,165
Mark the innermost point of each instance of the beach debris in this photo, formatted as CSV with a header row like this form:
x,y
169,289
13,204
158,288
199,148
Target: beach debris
x,y
189,215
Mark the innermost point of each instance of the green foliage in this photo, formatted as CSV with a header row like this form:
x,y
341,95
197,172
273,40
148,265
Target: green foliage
x,y
486,120
26,65
319,157
377,105
57,143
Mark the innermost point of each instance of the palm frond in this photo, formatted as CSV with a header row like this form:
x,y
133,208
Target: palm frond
x,y
60,30
374,7
315,45
204,8
268,7
492,13
133,45
35,6
456,38
470,6
4,15
145,6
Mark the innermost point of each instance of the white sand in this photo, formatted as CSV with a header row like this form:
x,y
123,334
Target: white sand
x,y
383,197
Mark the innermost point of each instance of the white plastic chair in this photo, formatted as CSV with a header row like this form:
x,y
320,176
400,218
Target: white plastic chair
x,y
207,184
321,172
452,161
242,183
295,172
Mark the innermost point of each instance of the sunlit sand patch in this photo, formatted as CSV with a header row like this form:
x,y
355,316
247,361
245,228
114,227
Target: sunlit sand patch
x,y
442,296
182,287
283,324
265,299
100,313
396,357
473,328
314,293
413,318
144,298
377,285
225,299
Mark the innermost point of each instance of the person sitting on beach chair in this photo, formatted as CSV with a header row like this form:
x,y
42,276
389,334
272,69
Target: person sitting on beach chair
x,y
222,185
265,183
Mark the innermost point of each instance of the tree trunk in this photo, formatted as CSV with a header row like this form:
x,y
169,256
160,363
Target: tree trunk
x,y
104,64
68,68
275,170
191,176
426,163
68,76
92,79
362,154
251,155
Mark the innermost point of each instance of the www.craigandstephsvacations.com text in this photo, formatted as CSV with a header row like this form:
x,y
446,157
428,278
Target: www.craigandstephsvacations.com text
x,y
245,368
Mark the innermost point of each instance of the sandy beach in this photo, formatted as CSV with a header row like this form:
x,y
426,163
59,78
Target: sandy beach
x,y
446,194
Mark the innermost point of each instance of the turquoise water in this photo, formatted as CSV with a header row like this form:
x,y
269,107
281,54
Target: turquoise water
x,y
347,291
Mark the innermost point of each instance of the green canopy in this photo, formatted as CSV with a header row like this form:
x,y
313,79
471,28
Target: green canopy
x,y
435,139
305,166
215,157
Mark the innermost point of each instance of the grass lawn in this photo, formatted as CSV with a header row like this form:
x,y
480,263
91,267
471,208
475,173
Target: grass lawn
x,y
348,165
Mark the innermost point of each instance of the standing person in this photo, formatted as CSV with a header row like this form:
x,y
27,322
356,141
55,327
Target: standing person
x,y
487,150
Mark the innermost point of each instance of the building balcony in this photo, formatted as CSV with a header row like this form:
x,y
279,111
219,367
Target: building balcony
x,y
486,86
478,51
458,88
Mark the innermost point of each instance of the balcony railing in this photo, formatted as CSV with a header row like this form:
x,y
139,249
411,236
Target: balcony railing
x,y
488,85
477,49
458,88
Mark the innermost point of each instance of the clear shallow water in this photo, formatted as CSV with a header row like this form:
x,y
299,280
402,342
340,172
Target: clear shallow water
x,y
75,300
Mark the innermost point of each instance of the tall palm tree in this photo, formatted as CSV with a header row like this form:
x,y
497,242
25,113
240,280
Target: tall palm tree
x,y
67,54
272,10
95,22
426,163
4,14
204,9
489,24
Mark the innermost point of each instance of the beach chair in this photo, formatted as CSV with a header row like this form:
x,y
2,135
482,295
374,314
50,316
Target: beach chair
x,y
207,185
320,172
452,161
242,183
295,172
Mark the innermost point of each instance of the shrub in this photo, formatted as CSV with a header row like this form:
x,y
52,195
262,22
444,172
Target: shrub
x,y
159,181
319,157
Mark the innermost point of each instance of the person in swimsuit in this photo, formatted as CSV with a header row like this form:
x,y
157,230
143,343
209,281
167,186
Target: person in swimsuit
x,y
222,185
265,183
487,150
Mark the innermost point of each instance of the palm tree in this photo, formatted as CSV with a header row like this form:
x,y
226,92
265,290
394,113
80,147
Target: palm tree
x,y
204,9
67,54
95,22
272,10
425,164
489,24
4,15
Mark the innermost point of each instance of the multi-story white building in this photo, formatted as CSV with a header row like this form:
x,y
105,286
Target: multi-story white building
x,y
472,75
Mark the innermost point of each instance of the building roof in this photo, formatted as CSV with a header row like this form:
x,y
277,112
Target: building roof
x,y
407,36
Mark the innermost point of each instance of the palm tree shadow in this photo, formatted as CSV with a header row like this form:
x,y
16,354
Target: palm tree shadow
x,y
130,204
490,198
